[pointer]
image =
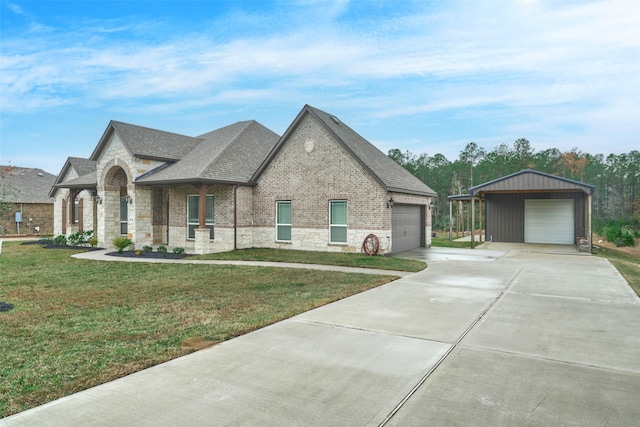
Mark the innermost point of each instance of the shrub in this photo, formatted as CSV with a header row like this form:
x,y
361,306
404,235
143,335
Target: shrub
x,y
178,251
80,238
162,249
93,242
121,243
611,232
147,248
75,239
60,240
625,239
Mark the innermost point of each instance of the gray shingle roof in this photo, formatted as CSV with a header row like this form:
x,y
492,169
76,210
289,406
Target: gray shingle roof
x,y
229,154
148,143
389,174
86,178
31,185
237,153
86,181
82,166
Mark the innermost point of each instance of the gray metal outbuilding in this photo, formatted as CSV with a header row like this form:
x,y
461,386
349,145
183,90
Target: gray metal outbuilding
x,y
534,207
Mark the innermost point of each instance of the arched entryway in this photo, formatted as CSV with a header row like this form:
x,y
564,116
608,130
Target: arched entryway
x,y
115,212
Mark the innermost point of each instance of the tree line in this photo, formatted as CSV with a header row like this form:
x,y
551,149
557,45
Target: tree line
x,y
616,177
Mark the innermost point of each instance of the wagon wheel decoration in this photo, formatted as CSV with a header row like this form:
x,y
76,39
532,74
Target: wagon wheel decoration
x,y
371,245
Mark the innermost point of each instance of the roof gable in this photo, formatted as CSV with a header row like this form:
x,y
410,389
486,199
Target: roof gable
x,y
388,173
85,171
147,143
531,180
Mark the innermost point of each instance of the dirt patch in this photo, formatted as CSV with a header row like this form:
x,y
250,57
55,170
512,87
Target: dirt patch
x,y
633,251
197,343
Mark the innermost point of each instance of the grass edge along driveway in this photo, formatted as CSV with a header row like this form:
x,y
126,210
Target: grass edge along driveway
x,y
78,323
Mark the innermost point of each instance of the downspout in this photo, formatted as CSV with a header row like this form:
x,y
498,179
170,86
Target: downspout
x,y
235,217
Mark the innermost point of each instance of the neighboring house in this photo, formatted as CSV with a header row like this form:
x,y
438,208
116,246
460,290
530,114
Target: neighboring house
x,y
320,186
25,194
534,207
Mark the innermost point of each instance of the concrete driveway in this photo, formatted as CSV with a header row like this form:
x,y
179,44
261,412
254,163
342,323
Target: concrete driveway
x,y
481,337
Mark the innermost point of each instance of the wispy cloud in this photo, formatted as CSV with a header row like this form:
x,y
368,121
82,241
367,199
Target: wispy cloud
x,y
578,59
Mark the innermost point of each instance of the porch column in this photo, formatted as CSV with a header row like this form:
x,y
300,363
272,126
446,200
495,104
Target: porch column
x,y
142,226
481,223
588,224
202,233
64,217
450,219
473,223
202,205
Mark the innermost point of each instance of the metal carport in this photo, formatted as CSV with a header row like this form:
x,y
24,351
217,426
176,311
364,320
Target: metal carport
x,y
532,206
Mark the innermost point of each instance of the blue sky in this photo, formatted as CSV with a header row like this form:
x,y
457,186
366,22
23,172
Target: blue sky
x,y
424,76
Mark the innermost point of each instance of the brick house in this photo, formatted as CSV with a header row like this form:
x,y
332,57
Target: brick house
x,y
27,190
320,186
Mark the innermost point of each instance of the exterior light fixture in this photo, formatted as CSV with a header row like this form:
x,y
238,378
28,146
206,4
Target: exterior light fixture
x,y
98,199
128,198
390,203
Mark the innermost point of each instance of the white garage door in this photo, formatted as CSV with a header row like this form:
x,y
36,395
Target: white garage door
x,y
406,227
549,221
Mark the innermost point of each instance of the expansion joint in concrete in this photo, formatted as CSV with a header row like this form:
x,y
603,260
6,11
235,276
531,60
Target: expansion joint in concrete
x,y
450,350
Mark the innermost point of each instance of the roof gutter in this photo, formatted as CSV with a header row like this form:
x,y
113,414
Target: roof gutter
x,y
416,193
194,182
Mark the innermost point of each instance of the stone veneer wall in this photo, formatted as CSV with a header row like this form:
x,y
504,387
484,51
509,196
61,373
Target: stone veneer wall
x,y
88,212
140,222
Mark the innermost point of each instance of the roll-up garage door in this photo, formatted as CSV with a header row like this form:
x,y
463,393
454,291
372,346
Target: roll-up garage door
x,y
407,228
549,221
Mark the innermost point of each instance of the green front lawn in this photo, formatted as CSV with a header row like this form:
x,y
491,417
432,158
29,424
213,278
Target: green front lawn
x,y
78,323
442,241
325,258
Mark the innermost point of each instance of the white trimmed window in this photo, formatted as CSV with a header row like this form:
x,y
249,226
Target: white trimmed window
x,y
193,222
283,221
124,216
76,210
337,221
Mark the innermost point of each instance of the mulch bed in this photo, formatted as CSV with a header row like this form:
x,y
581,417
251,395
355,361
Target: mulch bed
x,y
128,254
5,306
157,255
